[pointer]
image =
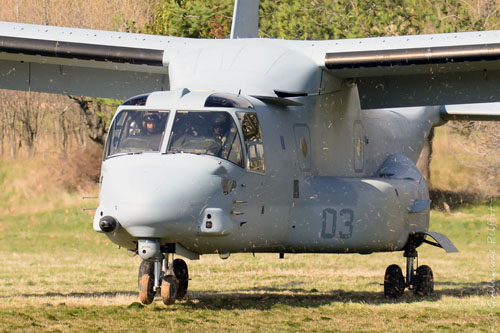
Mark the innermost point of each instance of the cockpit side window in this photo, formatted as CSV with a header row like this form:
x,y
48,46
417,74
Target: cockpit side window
x,y
210,133
135,131
253,140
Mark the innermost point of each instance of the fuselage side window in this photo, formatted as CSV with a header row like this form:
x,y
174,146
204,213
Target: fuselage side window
x,y
135,131
210,133
253,140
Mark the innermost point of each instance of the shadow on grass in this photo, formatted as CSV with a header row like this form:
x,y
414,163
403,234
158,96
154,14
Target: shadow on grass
x,y
269,297
266,298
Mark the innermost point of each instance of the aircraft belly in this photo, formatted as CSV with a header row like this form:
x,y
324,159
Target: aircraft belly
x,y
253,232
348,215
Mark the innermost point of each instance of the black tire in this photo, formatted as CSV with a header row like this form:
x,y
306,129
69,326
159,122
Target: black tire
x,y
424,281
169,288
394,282
182,275
146,282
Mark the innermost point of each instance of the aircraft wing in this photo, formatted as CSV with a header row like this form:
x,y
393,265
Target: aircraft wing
x,y
480,112
405,71
82,62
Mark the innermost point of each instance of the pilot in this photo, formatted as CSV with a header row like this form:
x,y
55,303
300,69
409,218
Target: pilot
x,y
150,125
220,126
134,128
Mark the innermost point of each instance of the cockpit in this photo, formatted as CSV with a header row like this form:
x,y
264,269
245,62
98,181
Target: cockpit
x,y
136,131
203,132
211,133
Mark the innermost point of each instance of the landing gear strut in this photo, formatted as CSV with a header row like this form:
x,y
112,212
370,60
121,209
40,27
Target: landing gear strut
x,y
421,280
160,272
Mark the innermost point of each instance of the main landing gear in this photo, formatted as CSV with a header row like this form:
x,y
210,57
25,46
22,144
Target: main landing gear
x,y
161,273
420,280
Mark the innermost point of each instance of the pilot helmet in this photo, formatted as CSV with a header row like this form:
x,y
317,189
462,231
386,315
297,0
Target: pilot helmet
x,y
134,128
150,123
220,120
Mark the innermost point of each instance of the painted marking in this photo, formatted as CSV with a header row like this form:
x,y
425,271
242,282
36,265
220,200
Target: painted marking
x,y
338,225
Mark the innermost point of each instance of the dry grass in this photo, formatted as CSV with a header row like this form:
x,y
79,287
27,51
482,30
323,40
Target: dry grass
x,y
464,165
48,182
95,14
80,169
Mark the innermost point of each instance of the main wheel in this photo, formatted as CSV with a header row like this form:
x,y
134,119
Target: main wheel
x,y
182,275
394,282
424,281
146,282
169,287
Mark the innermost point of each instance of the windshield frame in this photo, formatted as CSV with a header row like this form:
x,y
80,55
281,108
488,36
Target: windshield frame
x,y
232,116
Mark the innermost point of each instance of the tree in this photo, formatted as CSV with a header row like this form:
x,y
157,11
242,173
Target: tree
x,y
195,19
97,113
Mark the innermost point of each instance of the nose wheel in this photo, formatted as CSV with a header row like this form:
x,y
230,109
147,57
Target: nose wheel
x,y
172,284
146,282
182,275
175,282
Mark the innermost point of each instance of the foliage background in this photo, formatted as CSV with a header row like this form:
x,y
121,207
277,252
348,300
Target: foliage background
x,y
54,128
58,275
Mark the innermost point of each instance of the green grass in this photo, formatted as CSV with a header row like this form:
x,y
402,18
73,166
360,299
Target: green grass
x,y
59,275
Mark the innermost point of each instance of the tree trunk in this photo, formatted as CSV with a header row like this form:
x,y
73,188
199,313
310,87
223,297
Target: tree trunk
x,y
424,161
96,126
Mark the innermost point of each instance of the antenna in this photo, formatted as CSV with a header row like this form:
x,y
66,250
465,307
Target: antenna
x,y
245,19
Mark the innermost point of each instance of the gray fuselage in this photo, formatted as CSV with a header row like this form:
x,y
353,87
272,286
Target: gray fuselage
x,y
321,186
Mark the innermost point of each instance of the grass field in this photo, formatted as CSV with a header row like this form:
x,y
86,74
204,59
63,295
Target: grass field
x,y
57,274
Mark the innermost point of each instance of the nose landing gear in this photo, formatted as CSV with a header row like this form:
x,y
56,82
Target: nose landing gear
x,y
173,282
159,272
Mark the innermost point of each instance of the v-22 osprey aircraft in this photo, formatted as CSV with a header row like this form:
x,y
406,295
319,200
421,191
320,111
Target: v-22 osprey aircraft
x,y
262,145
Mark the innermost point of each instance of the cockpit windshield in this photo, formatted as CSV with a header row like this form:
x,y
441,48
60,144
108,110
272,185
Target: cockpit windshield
x,y
136,132
211,133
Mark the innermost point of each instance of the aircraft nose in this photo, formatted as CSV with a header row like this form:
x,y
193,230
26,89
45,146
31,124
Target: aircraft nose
x,y
157,198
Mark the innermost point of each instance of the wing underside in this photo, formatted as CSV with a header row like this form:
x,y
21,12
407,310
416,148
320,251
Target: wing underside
x,y
420,70
80,62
